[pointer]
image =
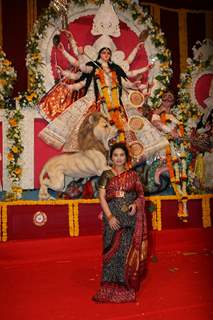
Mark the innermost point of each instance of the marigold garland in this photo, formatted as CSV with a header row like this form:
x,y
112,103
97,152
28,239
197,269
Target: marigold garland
x,y
111,98
75,218
154,215
15,149
8,77
206,216
71,222
159,223
177,173
4,223
154,220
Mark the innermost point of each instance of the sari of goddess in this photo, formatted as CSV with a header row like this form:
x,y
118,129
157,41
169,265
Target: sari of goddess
x,y
124,250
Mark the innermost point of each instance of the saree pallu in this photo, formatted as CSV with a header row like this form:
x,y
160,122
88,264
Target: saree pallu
x,y
125,250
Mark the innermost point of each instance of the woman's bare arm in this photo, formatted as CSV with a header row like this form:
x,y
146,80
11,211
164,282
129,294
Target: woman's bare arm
x,y
113,222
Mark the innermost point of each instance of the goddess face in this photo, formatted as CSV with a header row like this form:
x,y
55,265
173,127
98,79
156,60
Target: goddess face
x,y
105,54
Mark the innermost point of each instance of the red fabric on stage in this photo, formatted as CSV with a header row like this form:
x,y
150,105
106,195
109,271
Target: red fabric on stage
x,y
170,220
55,279
42,151
21,225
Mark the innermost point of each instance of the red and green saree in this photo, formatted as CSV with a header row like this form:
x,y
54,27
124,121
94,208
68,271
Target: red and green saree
x,y
124,250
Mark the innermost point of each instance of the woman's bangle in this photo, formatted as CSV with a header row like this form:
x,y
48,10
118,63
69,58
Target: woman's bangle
x,y
110,217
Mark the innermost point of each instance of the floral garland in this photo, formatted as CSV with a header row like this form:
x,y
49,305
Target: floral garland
x,y
206,217
187,111
34,62
15,149
7,78
13,116
112,102
177,169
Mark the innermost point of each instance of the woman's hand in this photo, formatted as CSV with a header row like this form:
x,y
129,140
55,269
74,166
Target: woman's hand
x,y
132,209
114,223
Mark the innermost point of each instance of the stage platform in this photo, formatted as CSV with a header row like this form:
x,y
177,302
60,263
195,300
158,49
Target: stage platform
x,y
26,219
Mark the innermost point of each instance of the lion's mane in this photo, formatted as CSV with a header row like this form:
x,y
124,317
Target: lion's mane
x,y
86,138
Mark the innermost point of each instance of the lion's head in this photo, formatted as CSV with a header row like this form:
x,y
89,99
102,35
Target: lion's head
x,y
95,133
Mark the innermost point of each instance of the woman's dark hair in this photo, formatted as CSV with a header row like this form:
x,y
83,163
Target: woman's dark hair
x,y
119,145
102,49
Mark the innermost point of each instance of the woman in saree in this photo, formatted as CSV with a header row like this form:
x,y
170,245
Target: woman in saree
x,y
125,231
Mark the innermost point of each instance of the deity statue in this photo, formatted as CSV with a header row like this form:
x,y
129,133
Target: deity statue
x,y
100,79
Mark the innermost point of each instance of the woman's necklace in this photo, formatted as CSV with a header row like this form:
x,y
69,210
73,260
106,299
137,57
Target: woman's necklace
x,y
120,193
121,182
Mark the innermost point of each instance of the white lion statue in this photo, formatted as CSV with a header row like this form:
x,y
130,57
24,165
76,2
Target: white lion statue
x,y
93,138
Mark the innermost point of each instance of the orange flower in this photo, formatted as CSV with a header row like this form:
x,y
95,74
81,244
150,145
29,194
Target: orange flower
x,y
163,117
16,189
18,171
7,62
3,82
10,156
13,122
31,96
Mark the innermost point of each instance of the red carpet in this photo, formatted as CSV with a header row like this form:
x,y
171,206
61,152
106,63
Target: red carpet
x,y
55,279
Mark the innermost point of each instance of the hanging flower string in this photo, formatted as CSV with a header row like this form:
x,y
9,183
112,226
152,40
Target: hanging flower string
x,y
177,170
206,212
7,78
15,149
